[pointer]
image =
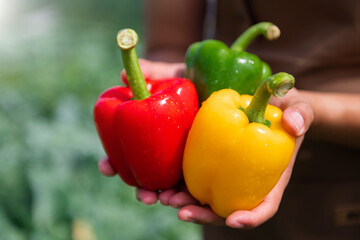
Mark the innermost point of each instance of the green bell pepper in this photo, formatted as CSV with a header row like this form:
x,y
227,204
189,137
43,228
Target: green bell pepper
x,y
212,65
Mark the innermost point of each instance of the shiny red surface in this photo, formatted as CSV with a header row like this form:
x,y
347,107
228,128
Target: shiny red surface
x,y
145,139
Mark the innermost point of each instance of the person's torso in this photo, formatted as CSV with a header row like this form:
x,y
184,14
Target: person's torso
x,y
320,46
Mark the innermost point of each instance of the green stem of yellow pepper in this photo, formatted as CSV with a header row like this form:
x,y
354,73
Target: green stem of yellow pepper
x,y
127,39
278,85
267,29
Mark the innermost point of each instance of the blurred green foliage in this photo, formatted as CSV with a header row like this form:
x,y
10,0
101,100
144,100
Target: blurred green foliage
x,y
56,57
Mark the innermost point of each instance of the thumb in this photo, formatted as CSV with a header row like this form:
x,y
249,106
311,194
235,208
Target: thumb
x,y
297,118
297,114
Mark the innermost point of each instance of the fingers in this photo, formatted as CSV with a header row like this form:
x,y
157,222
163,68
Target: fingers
x,y
297,112
200,215
145,196
298,118
269,206
190,211
263,212
181,199
159,70
293,122
169,197
166,195
105,167
177,197
253,218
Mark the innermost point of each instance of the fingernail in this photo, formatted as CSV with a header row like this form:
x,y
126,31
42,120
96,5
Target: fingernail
x,y
148,201
191,220
185,215
235,224
239,225
297,121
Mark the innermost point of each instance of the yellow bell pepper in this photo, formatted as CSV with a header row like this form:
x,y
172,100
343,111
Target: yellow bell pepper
x,y
232,160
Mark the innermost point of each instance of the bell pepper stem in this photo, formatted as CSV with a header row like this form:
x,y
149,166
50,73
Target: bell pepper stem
x,y
277,85
267,29
127,39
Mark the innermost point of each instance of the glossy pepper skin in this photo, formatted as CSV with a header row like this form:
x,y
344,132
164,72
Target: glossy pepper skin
x,y
145,138
230,162
212,65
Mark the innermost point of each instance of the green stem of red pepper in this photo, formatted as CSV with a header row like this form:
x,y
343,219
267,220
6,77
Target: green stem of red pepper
x,y
278,85
127,39
268,30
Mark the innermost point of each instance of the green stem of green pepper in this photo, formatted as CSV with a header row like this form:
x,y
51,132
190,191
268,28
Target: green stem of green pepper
x,y
127,39
267,29
278,85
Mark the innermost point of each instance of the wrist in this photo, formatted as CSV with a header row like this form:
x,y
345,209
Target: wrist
x,y
336,117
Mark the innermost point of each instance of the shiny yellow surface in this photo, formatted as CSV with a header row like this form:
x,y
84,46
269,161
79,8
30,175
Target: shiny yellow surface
x,y
230,164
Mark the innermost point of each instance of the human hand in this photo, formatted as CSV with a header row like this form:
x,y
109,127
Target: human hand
x,y
297,117
145,196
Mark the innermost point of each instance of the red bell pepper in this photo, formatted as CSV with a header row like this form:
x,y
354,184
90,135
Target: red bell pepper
x,y
143,127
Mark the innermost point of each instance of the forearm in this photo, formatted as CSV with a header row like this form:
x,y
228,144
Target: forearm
x,y
337,117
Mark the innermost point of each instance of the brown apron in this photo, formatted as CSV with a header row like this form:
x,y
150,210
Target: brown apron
x,y
320,46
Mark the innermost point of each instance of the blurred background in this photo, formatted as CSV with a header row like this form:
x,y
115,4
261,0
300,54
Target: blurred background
x,y
56,57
